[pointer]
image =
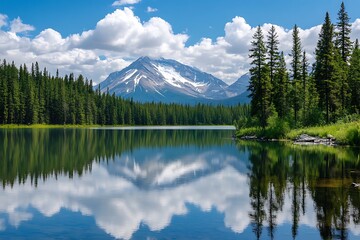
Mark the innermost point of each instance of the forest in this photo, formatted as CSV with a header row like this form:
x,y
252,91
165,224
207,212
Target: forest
x,y
325,93
36,97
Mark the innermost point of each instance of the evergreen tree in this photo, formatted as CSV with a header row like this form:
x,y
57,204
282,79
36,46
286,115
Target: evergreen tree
x,y
296,72
4,107
325,71
260,86
342,34
354,79
273,56
281,88
304,80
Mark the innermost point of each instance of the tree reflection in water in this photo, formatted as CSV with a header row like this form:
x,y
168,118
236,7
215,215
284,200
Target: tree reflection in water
x,y
326,173
278,174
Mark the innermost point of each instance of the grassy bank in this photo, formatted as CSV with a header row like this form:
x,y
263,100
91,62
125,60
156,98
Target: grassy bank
x,y
345,133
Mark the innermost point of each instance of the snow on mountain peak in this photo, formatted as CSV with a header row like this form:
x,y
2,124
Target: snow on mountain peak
x,y
165,80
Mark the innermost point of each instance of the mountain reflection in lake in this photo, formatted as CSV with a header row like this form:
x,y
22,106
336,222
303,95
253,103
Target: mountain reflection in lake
x,y
173,184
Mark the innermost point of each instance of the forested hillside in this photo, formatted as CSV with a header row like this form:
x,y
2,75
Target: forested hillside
x,y
324,93
34,96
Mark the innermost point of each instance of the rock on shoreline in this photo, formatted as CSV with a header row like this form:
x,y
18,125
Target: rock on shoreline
x,y
305,139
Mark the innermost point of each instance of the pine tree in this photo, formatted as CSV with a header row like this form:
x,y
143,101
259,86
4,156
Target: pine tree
x,y
260,86
354,79
281,88
344,45
304,80
342,34
296,72
273,56
324,69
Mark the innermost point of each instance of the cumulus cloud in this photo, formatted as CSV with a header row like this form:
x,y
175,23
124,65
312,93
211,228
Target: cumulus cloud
x,y
3,20
17,26
122,32
151,10
125,2
121,37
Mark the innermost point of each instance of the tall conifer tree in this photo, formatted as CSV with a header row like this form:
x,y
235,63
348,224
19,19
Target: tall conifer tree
x,y
304,83
296,53
260,86
343,30
281,88
273,56
354,79
324,67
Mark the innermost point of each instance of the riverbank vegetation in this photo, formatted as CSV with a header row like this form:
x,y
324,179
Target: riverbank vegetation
x,y
328,94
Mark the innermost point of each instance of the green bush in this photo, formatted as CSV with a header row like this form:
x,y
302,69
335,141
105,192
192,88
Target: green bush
x,y
277,128
353,135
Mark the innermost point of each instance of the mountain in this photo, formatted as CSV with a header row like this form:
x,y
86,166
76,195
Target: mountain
x,y
167,81
241,85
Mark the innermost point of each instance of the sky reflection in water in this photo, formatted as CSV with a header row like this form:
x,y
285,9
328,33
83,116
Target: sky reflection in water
x,y
145,189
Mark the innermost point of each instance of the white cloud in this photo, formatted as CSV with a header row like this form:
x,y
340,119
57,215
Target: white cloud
x,y
48,41
3,20
123,33
121,37
151,10
17,26
355,30
125,2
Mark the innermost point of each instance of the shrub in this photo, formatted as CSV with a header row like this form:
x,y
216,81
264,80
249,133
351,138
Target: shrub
x,y
353,135
277,128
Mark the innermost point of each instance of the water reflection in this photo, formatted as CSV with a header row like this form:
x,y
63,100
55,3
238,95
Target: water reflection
x,y
322,173
127,179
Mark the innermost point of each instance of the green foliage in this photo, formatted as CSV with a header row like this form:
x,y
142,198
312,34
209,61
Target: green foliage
x,y
342,34
354,79
273,55
281,88
341,131
249,131
260,85
329,74
353,135
38,98
277,127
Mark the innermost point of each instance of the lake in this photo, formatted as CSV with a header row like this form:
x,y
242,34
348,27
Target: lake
x,y
161,183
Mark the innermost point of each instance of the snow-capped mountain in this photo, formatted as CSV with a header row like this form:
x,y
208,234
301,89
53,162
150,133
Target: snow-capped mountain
x,y
163,80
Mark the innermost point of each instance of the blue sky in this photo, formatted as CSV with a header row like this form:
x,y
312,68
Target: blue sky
x,y
198,18
187,29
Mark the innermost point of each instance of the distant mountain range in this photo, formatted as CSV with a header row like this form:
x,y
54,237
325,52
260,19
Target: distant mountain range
x,y
168,81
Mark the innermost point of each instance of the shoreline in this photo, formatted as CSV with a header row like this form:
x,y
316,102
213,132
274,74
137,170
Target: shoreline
x,y
124,127
303,140
342,134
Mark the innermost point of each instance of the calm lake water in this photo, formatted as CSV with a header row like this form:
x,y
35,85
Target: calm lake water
x,y
173,184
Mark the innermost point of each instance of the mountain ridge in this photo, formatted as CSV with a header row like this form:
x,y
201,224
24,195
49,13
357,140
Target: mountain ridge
x,y
168,81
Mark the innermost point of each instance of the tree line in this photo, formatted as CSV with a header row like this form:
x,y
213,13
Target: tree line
x,y
36,97
300,97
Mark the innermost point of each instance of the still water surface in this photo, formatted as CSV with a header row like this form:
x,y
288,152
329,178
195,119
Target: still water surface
x,y
173,184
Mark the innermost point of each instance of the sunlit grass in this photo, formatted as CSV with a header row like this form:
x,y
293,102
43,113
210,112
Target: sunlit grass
x,y
345,133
